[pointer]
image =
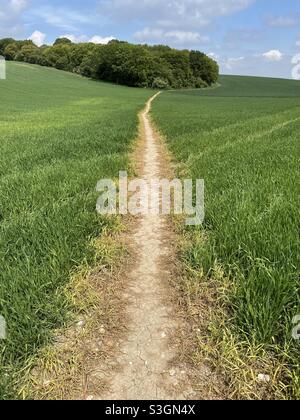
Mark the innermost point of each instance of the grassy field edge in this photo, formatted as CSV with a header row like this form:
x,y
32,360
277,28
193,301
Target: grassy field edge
x,y
59,369
249,370
61,134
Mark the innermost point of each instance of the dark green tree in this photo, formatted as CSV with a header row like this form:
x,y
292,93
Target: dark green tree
x,y
11,51
28,53
4,43
60,41
204,67
120,62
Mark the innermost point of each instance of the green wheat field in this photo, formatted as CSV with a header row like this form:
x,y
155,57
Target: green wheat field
x,y
61,133
242,138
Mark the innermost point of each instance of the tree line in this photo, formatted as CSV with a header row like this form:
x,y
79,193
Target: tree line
x,y
120,62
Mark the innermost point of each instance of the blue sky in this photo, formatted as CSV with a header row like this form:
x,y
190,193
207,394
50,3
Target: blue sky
x,y
256,37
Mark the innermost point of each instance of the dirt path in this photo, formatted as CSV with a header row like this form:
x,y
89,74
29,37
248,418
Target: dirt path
x,y
137,336
139,339
145,370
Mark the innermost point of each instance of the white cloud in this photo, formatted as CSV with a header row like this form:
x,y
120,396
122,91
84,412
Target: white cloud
x,y
186,37
256,65
10,17
96,39
170,21
176,37
296,59
214,56
230,63
282,22
18,5
298,43
62,17
75,38
273,55
171,12
149,34
38,38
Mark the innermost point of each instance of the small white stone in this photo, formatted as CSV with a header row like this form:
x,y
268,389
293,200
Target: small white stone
x,y
263,378
172,372
80,323
46,383
163,335
90,398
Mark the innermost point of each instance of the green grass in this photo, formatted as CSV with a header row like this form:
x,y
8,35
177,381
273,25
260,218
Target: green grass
x,y
243,86
60,134
243,140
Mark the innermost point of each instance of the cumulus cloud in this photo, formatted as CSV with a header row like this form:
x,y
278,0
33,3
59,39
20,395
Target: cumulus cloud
x,y
38,38
96,39
273,55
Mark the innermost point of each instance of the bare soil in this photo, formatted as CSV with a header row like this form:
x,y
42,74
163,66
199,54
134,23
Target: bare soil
x,y
145,358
